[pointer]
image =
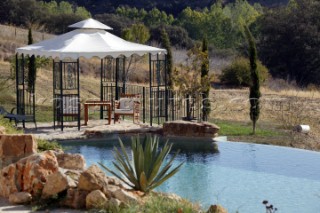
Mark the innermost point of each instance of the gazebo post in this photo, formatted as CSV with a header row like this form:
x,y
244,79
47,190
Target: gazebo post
x,y
166,87
17,81
78,87
53,94
101,88
117,78
158,87
61,94
22,108
150,89
124,75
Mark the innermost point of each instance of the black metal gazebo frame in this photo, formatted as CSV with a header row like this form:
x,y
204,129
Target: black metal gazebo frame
x,y
66,89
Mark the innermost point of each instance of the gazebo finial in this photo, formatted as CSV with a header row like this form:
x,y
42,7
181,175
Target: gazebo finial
x,y
90,24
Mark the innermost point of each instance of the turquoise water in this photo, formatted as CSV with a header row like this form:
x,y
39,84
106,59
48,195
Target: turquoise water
x,y
240,176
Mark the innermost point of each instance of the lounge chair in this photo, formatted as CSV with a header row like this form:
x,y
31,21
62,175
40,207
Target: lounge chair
x,y
17,118
128,105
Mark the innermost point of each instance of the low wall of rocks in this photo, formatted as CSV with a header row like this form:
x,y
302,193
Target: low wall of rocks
x,y
50,173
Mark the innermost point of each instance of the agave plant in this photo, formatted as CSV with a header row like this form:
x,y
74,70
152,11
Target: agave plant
x,y
145,171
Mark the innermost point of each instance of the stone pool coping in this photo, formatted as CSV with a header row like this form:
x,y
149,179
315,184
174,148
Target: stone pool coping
x,y
95,129
98,129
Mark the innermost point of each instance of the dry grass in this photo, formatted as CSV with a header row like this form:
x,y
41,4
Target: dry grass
x,y
280,110
283,106
14,37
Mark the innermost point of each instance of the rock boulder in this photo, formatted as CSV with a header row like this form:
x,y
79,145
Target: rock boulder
x,y
71,161
92,179
8,181
56,183
75,198
15,147
190,129
37,168
216,209
20,198
96,199
125,196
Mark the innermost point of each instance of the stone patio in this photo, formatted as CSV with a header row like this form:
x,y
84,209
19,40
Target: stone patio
x,y
94,129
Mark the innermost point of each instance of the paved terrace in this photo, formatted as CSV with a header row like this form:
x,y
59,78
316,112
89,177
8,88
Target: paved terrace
x,y
95,128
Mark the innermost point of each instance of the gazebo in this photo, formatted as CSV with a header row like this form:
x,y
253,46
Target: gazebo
x,y
90,39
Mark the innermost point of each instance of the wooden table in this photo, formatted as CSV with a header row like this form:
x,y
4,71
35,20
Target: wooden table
x,y
96,103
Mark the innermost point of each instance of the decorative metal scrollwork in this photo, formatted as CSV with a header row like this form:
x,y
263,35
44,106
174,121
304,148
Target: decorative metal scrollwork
x,y
56,72
70,77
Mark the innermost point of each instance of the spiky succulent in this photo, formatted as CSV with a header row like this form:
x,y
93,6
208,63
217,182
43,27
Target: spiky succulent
x,y
145,171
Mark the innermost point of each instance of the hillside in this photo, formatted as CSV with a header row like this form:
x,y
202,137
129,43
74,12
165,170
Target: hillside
x,y
172,7
282,107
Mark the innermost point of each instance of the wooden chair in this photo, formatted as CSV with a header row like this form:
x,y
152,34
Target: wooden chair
x,y
128,105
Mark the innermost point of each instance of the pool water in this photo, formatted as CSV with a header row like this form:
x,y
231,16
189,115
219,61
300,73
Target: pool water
x,y
239,177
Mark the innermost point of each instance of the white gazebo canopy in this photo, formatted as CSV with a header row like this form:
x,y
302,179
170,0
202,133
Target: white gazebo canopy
x,y
90,40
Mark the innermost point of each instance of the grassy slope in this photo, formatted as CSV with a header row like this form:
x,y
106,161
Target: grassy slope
x,y
281,109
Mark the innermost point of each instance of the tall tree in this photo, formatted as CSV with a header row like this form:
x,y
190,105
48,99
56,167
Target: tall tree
x,y
32,71
206,107
137,33
255,94
167,45
289,42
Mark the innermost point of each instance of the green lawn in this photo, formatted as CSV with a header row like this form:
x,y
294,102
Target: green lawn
x,y
229,128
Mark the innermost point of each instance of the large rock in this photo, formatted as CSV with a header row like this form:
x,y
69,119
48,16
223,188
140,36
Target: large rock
x,y
111,189
96,199
36,171
15,147
71,161
190,129
92,179
56,183
75,198
125,196
8,183
28,174
20,198
216,209
113,203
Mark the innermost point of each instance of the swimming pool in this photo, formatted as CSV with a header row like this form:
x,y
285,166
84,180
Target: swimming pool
x,y
239,177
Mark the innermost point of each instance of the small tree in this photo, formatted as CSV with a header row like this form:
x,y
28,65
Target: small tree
x,y
255,86
188,81
167,45
206,107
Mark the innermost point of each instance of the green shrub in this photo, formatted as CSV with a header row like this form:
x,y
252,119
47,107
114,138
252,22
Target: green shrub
x,y
145,171
238,72
9,126
44,145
